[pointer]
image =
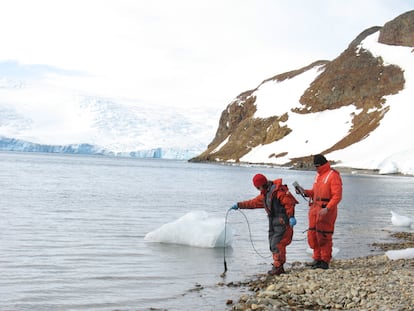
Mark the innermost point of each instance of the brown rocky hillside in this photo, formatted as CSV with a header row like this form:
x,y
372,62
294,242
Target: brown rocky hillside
x,y
356,77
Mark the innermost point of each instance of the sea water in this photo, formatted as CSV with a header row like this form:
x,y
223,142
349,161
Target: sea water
x,y
73,230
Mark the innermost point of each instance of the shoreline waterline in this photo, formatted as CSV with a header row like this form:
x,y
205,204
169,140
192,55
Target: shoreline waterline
x,y
341,169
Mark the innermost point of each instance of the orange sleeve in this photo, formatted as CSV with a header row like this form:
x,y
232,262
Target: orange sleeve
x,y
256,202
309,193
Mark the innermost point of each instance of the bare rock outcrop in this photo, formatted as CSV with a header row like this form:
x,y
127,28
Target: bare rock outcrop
x,y
399,31
355,77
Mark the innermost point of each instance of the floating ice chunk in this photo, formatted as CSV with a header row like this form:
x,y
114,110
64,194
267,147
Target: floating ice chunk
x,y
407,253
400,220
193,229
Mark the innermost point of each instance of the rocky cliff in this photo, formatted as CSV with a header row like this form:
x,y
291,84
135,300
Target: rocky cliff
x,y
355,78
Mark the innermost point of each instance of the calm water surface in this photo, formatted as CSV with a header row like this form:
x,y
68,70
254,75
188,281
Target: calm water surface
x,y
73,227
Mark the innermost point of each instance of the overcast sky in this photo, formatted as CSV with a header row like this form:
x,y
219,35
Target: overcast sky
x,y
177,52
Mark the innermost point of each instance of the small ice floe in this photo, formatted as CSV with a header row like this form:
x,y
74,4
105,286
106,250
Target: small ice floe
x,y
400,220
407,253
194,229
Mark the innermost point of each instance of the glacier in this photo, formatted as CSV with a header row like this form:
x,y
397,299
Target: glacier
x,y
11,144
38,118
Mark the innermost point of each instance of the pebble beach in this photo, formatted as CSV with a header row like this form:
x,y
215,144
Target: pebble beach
x,y
366,283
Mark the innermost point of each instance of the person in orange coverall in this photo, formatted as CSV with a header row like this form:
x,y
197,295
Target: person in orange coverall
x,y
279,205
324,199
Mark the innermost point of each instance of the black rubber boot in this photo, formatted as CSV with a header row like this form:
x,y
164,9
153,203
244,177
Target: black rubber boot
x,y
276,270
321,265
313,263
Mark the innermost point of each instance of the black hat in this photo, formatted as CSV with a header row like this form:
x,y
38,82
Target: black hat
x,y
319,160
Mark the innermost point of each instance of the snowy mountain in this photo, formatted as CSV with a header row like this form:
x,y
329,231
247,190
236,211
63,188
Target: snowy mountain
x,y
356,109
36,118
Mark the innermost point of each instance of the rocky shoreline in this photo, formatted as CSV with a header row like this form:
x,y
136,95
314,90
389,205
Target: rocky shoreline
x,y
366,283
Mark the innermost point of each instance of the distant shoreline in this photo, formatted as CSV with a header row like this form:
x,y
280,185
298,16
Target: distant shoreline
x,y
341,169
361,171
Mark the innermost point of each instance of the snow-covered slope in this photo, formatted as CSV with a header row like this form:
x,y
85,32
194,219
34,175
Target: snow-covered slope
x,y
389,148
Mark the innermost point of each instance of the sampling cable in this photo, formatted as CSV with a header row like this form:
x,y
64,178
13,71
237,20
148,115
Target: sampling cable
x,y
224,244
250,237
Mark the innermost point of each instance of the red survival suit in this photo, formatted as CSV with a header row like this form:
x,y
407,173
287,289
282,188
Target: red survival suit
x,y
279,204
326,193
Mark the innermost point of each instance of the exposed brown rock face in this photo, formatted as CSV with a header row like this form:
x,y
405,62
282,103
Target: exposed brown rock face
x,y
399,31
244,131
355,77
